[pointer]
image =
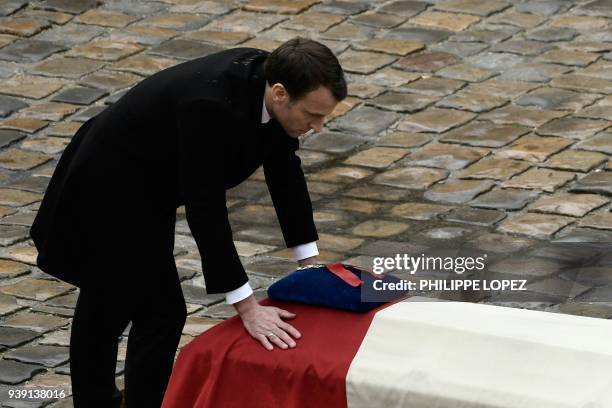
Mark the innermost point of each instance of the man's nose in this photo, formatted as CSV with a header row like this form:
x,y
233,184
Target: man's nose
x,y
317,125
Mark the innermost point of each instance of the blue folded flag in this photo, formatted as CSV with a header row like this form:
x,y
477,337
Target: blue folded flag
x,y
338,286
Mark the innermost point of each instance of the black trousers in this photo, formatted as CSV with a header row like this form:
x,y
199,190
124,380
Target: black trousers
x,y
157,310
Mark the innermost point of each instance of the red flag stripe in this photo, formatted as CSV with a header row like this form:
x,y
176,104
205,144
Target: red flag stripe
x,y
226,367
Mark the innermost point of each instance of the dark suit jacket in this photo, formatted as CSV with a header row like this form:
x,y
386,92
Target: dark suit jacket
x,y
182,136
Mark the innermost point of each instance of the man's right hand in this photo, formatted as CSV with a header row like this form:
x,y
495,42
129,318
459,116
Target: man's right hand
x,y
265,323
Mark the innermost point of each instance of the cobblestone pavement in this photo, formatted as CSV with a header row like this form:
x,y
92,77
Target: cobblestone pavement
x,y
470,123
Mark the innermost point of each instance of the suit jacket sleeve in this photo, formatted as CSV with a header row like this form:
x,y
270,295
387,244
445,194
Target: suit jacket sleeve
x,y
289,193
200,126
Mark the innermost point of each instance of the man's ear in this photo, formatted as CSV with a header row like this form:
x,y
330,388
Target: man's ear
x,y
279,93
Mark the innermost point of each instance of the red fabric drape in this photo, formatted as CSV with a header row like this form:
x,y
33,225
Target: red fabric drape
x,y
226,367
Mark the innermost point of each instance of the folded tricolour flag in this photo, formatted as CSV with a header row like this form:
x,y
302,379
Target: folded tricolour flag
x,y
407,354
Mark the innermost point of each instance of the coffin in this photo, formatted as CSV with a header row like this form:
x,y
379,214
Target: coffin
x,y
413,353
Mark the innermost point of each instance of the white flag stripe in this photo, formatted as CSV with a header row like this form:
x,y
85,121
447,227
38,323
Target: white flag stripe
x,y
452,354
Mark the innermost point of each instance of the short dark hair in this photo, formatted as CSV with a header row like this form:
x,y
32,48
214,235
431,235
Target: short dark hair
x,y
302,65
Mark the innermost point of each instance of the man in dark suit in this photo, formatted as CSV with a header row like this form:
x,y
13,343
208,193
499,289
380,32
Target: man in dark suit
x,y
180,137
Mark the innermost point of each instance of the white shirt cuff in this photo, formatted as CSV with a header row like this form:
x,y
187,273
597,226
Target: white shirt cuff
x,y
239,294
305,251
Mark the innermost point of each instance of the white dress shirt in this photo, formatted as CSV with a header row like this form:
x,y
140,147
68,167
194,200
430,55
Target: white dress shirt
x,y
299,252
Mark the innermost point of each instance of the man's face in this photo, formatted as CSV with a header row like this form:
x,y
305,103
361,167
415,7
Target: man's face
x,y
303,114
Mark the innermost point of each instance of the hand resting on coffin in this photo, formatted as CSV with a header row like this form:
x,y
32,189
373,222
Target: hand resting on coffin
x,y
265,323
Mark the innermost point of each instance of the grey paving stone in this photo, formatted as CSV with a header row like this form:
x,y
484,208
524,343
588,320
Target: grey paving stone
x,y
534,72
66,67
349,32
572,127
88,113
56,338
445,233
472,101
552,34
482,8
482,35
599,182
590,275
8,7
427,36
475,216
558,287
426,62
48,356
64,369
485,134
14,372
248,189
333,142
80,95
9,305
404,8
461,49
531,116
526,266
34,321
13,337
569,254
184,49
598,8
345,8
496,61
29,50
30,183
505,199
587,235
8,105
67,6
445,155
553,98
134,8
601,142
365,120
601,35
522,47
378,20
7,69
402,102
197,295
261,234
186,274
434,86
23,219
10,234
115,97
600,294
458,191
500,243
9,136
70,34
541,7
271,267
56,311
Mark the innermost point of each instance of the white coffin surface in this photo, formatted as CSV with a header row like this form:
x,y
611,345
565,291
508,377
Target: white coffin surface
x,y
454,354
